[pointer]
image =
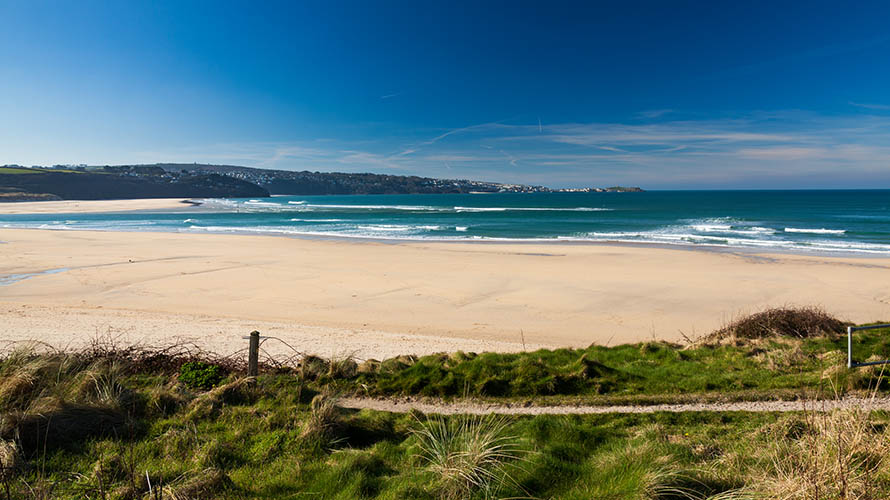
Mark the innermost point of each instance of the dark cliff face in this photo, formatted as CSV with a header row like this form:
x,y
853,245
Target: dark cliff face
x,y
103,186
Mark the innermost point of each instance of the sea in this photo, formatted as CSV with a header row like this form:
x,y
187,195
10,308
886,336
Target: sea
x,y
826,222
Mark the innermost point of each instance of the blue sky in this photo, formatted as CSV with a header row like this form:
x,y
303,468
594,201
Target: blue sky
x,y
658,94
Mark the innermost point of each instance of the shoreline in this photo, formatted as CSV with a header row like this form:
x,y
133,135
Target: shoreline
x,y
180,205
704,247
196,206
378,298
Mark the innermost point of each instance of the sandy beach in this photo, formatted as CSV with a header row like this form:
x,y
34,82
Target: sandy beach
x,y
88,206
373,299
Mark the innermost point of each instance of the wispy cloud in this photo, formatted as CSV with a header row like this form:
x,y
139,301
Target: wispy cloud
x,y
774,149
879,107
654,113
390,96
416,147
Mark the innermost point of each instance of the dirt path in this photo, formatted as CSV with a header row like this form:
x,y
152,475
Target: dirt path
x,y
507,409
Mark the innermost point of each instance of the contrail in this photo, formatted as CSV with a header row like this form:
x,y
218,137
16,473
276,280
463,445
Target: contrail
x,y
540,127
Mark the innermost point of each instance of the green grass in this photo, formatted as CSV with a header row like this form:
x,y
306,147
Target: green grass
x,y
255,444
94,427
10,170
654,371
16,170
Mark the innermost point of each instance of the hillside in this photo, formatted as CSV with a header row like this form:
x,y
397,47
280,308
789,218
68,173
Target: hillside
x,y
173,180
36,184
309,183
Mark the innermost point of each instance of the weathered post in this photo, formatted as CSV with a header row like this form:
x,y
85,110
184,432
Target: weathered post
x,y
253,354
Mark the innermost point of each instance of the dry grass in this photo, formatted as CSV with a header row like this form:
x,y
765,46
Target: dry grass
x,y
10,460
210,403
342,368
51,400
52,423
325,420
469,454
795,322
839,454
312,367
206,483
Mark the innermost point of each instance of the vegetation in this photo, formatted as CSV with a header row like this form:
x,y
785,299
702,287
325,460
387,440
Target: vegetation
x,y
91,185
264,181
200,375
469,453
11,170
123,423
801,322
729,367
13,194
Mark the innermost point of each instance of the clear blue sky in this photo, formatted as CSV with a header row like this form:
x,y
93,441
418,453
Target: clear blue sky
x,y
662,94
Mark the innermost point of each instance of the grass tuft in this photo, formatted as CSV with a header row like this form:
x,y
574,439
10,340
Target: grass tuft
x,y
208,482
468,455
325,421
837,454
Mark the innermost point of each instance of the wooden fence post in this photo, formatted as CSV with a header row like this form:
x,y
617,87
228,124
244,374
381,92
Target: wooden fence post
x,y
253,354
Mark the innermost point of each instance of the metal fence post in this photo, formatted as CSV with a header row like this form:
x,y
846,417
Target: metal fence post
x,y
850,362
253,354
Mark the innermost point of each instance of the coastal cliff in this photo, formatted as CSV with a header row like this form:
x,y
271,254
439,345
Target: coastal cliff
x,y
174,180
44,184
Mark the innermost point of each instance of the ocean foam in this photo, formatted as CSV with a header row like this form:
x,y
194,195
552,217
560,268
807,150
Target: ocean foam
x,y
414,208
532,209
711,227
387,227
814,231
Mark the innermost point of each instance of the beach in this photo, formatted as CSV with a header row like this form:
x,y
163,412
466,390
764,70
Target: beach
x,y
92,206
377,299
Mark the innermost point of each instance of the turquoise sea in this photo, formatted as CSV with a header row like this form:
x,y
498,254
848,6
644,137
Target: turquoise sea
x,y
835,222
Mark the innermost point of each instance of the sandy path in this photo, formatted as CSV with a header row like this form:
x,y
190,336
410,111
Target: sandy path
x,y
502,409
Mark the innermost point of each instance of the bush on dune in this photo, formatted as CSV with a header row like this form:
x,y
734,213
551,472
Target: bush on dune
x,y
794,322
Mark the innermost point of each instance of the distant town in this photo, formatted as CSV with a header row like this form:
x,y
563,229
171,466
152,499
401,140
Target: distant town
x,y
165,180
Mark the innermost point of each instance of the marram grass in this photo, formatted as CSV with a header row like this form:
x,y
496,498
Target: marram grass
x,y
75,426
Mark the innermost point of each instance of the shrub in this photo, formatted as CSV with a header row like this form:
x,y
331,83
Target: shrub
x,y
798,322
200,375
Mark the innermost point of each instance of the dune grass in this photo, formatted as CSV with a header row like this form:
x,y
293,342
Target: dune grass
x,y
148,424
276,439
280,437
744,369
